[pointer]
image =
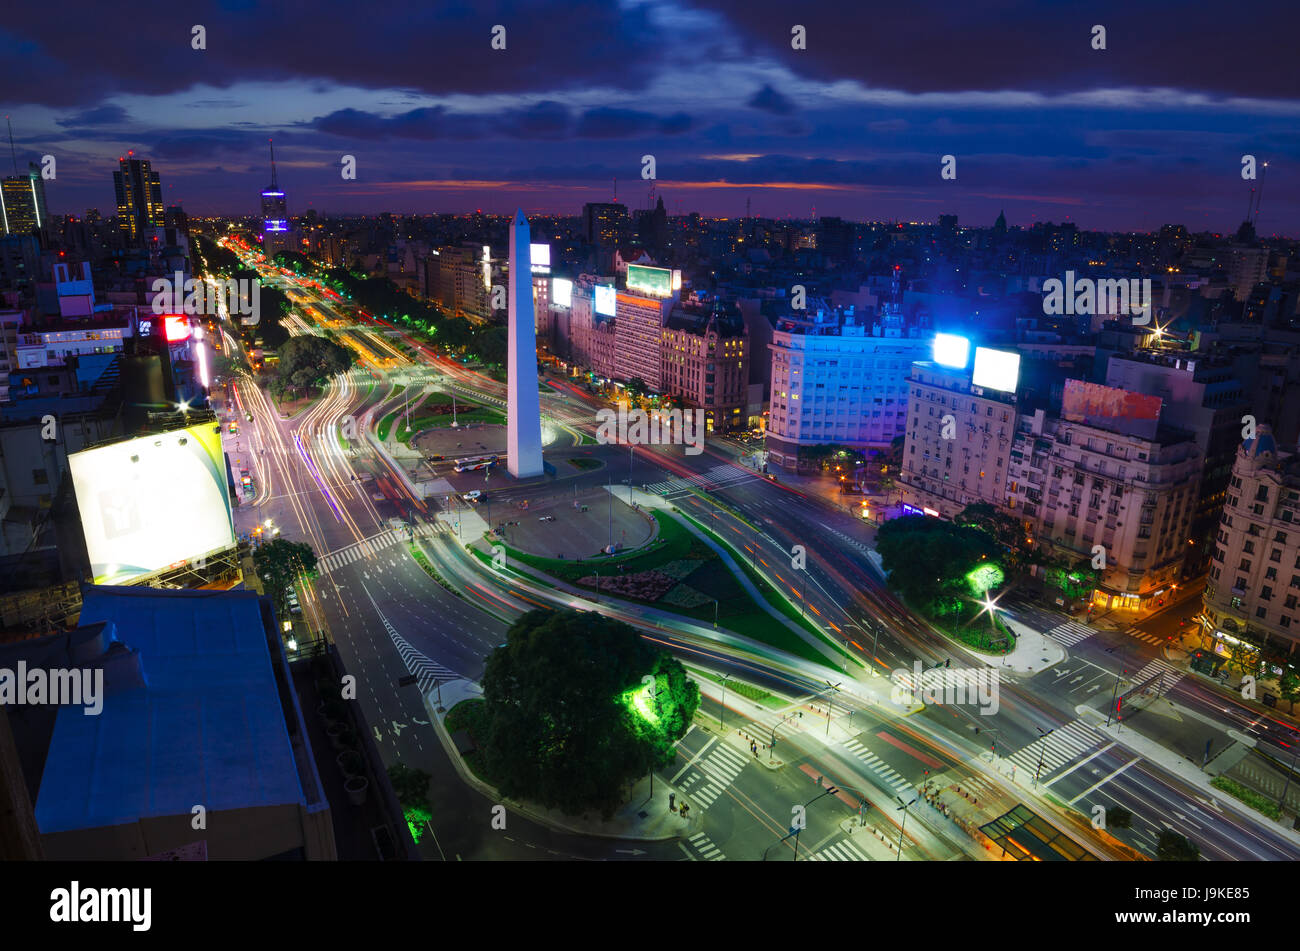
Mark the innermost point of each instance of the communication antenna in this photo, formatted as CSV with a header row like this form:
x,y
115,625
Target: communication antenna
x,y
274,186
1260,197
616,191
12,151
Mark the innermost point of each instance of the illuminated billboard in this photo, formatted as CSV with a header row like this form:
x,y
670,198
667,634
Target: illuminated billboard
x,y
951,350
152,502
540,256
656,281
605,299
562,291
996,369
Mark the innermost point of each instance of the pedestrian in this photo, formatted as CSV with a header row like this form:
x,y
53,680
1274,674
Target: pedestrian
x,y
672,799
681,810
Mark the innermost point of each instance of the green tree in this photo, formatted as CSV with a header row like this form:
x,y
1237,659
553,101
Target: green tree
x,y
636,388
278,563
1289,686
1119,818
578,707
1173,847
928,559
309,360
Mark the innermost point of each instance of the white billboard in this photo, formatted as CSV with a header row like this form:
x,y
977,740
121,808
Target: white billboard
x,y
996,369
951,350
606,300
562,291
540,255
152,502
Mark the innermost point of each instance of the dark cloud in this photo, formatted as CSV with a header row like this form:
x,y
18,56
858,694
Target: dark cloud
x,y
613,123
103,115
1024,44
769,100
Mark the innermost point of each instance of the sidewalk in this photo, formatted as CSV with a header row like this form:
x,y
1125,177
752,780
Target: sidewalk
x,y
1034,651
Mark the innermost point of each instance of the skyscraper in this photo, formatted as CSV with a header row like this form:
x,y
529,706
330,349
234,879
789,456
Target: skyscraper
x,y
275,215
523,406
139,198
22,202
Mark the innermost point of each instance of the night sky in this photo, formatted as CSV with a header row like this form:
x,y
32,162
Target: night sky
x,y
1149,131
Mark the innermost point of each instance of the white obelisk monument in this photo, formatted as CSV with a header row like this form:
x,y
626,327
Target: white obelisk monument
x,y
523,405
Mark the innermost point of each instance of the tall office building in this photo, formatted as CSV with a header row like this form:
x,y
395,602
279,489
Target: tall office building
x,y
139,199
605,225
275,215
22,202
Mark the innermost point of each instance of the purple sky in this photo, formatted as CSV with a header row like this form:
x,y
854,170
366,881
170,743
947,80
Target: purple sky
x,y
1150,130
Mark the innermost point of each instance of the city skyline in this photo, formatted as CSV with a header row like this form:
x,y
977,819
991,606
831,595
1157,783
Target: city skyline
x,y
1040,123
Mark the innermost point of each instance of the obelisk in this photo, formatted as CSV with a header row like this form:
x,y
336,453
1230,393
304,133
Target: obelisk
x,y
523,404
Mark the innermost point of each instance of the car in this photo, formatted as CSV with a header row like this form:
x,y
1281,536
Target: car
x,y
437,458
472,496
546,518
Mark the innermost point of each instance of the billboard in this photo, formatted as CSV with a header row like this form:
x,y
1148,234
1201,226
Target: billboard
x,y
562,291
951,350
540,255
606,299
152,502
1110,407
656,281
996,369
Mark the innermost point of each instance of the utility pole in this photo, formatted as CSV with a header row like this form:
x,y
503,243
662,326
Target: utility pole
x,y
723,712
904,806
1041,750
830,706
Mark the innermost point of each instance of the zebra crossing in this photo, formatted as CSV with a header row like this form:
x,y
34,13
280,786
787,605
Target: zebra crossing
x,y
369,547
710,775
428,673
1069,633
1162,676
1067,742
842,851
715,478
705,847
891,777
1143,636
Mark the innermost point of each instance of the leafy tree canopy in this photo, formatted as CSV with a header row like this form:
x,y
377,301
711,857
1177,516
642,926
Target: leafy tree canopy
x,y
308,359
928,558
278,562
578,706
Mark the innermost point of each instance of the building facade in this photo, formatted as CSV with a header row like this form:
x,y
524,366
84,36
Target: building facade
x,y
704,356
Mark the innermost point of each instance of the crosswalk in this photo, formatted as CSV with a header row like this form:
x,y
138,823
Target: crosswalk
x,y
710,775
887,774
1162,675
702,844
1069,633
1143,636
842,851
717,477
369,547
1067,742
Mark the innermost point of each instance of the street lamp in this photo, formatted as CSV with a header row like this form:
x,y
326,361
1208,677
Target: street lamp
x,y
830,706
723,712
904,806
1041,750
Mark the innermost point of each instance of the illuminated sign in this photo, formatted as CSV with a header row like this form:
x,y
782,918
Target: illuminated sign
x,y
487,267
562,291
176,328
910,509
951,350
656,281
996,369
153,501
540,255
605,300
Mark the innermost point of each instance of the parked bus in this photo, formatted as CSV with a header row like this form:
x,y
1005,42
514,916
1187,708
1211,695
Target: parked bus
x,y
474,463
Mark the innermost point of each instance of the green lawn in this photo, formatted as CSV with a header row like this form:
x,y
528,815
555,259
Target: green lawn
x,y
584,464
468,715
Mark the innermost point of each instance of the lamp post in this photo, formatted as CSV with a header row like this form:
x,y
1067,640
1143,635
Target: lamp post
x,y
904,806
723,711
1041,751
830,706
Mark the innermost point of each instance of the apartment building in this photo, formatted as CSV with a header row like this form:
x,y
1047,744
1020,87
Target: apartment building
x,y
950,463
1253,593
638,332
838,379
704,355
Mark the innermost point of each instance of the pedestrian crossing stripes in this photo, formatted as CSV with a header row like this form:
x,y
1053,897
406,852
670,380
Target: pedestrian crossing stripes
x,y
1063,744
717,477
1162,676
711,775
705,847
842,851
1070,633
1143,636
878,766
368,547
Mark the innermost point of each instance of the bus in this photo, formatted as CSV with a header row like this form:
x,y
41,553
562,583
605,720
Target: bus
x,y
474,463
